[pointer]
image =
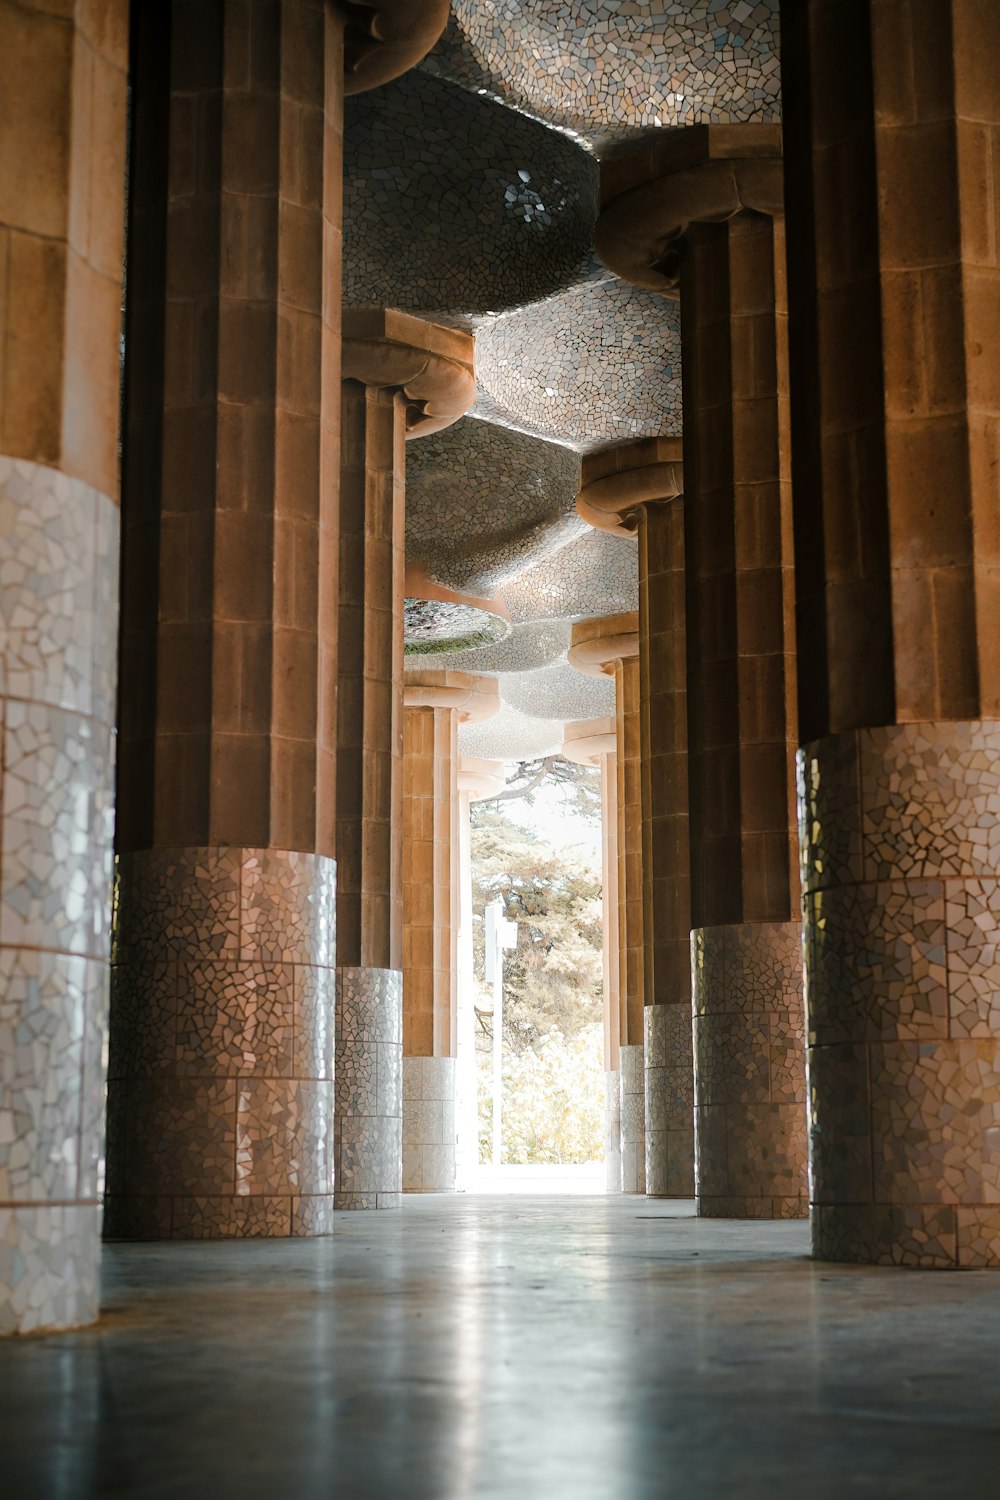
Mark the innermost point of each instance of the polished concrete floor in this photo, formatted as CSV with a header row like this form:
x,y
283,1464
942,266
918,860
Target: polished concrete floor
x,y
537,1348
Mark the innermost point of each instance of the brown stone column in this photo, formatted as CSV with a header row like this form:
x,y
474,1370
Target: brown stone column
x,y
635,489
402,377
63,85
594,742
222,1048
894,283
435,703
710,205
610,645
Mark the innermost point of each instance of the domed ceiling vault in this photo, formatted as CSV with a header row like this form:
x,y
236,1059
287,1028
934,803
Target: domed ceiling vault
x,y
470,199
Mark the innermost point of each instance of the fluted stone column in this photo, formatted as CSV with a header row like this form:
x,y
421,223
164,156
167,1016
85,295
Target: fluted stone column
x,y
635,489
594,742
222,1046
62,214
401,377
704,212
608,646
435,703
894,289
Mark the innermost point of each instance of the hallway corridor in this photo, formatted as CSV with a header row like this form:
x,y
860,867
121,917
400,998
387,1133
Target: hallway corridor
x,y
538,1348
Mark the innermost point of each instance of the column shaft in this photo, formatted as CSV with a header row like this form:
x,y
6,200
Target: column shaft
x,y
894,239
430,947
61,230
221,1060
611,974
748,1026
401,377
669,1061
368,1140
630,939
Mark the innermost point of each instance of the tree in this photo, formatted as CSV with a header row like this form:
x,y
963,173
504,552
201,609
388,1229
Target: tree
x,y
553,1095
583,782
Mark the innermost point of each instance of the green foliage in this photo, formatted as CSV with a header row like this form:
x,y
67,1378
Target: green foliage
x,y
553,1086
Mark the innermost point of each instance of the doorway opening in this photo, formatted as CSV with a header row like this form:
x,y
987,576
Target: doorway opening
x,y
537,982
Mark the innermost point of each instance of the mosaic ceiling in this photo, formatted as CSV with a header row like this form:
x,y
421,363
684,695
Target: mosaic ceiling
x,y
612,70
559,692
484,503
598,364
529,646
598,574
470,198
510,735
453,206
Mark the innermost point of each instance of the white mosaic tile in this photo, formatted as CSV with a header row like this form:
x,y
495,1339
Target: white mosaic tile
x,y
58,810
221,1049
669,1092
633,1120
608,72
369,1090
482,503
559,692
58,590
597,364
904,1068
749,1071
431,175
49,1267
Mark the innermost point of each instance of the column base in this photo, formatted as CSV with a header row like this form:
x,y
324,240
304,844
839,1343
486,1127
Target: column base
x,y
669,1089
612,1130
633,1117
49,1266
59,542
220,1092
901,866
750,1084
428,1124
368,1125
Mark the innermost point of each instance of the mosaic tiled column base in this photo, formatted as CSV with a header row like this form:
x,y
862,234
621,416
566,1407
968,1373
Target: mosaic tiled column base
x,y
900,833
633,1117
612,1130
669,1070
749,1071
428,1124
368,1129
58,649
220,1099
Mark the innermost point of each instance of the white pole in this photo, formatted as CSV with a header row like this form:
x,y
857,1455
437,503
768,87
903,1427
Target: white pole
x,y
497,1044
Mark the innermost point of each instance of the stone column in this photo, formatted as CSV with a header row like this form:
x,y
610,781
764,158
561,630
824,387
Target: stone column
x,y
435,703
402,377
894,284
704,212
222,1047
62,218
635,489
594,742
610,645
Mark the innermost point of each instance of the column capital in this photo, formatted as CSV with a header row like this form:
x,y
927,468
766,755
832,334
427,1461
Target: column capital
x,y
385,38
704,175
474,696
617,482
479,778
585,742
432,366
596,645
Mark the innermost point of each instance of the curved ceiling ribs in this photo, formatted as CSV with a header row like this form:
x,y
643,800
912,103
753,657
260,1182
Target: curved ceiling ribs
x,y
471,194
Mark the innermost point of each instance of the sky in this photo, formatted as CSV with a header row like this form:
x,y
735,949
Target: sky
x,y
550,816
